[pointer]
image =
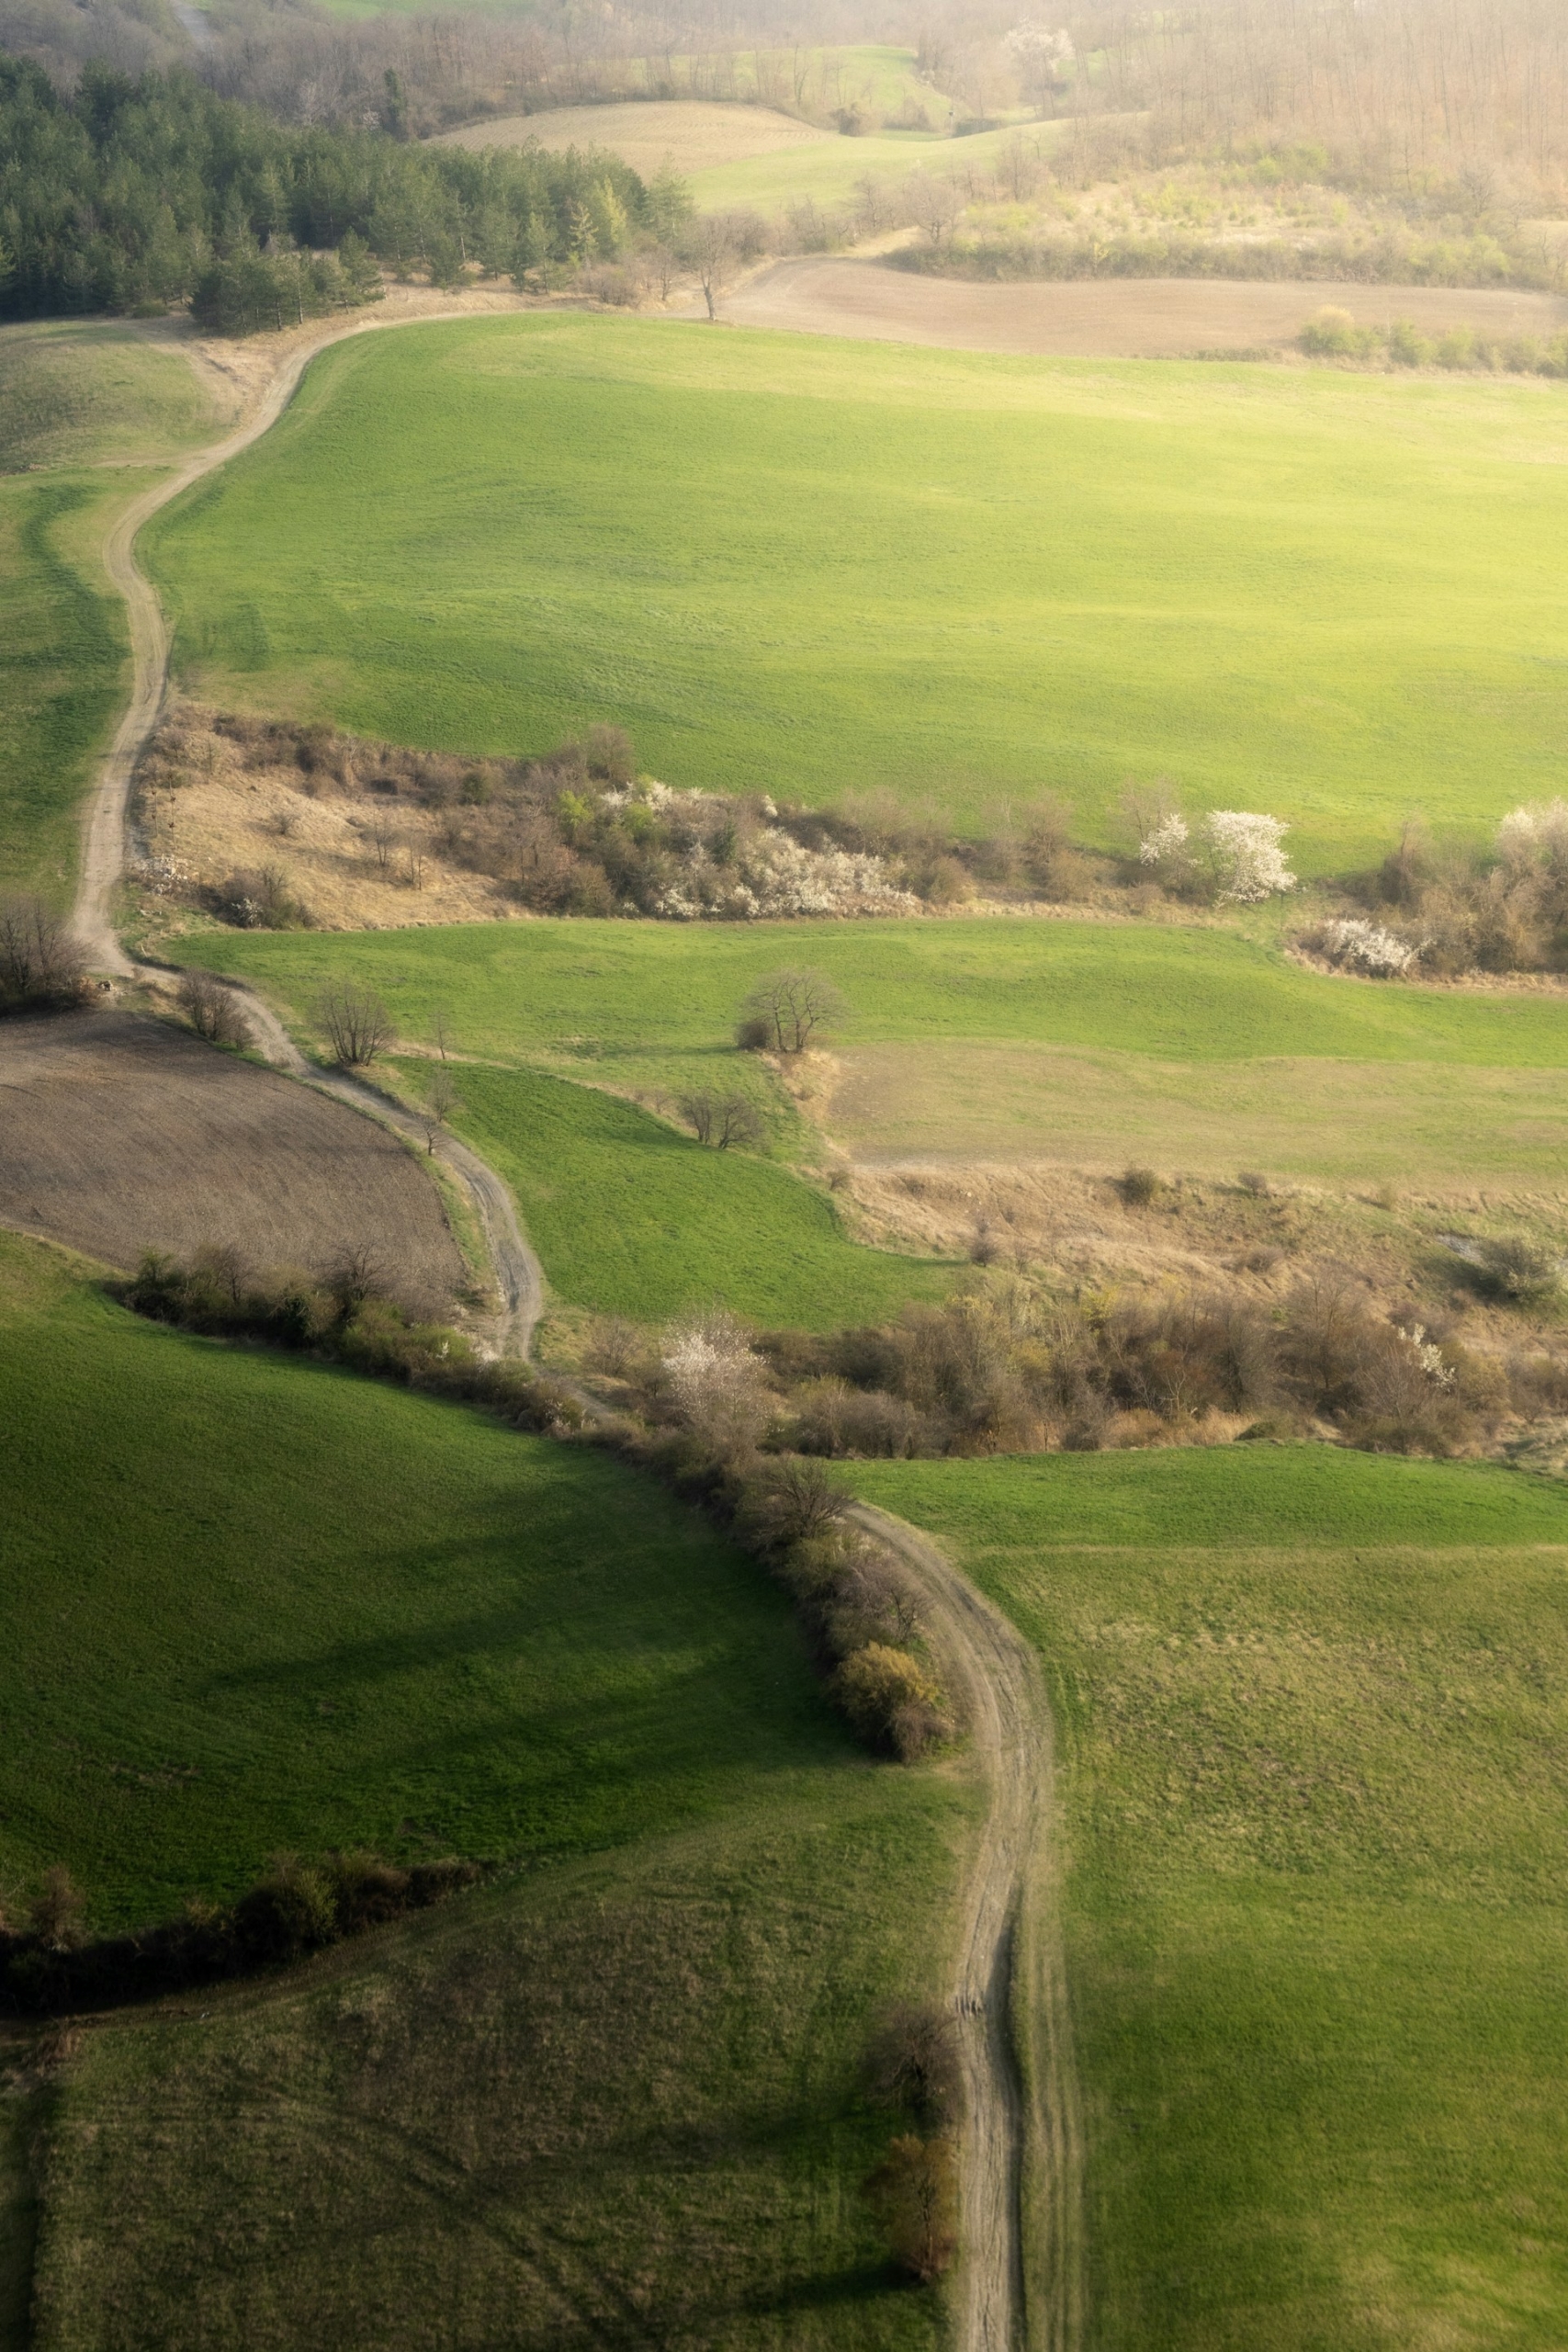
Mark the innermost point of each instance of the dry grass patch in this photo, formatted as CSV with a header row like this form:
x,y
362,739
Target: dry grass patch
x,y
119,1135
1418,1123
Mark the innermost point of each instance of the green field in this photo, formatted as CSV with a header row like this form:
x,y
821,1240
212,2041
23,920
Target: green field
x,y
830,173
813,567
249,1603
73,399
1311,1717
632,1218
1091,1045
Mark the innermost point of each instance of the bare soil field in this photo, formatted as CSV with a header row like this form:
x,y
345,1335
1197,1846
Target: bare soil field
x,y
1151,318
1444,1130
118,1134
688,131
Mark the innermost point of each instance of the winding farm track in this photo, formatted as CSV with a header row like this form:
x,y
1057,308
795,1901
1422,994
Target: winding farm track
x,y
1021,2218
1021,2280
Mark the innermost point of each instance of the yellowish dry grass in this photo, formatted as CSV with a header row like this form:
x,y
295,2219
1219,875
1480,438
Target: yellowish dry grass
x,y
1418,1123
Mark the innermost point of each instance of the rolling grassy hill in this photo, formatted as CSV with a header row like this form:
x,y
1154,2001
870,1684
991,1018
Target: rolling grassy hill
x,y
1311,1721
251,1603
807,566
1089,1045
73,399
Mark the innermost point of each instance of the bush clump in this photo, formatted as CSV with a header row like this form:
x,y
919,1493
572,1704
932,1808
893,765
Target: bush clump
x,y
49,1963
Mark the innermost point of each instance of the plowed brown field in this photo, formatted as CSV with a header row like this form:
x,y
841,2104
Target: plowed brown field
x,y
119,1135
1134,318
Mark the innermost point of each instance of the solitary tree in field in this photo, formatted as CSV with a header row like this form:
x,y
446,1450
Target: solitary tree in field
x,y
709,246
440,1101
358,1026
788,1008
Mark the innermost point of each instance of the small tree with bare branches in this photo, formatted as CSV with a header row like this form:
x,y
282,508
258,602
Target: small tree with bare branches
x,y
797,1005
441,1099
211,1010
913,2193
357,1025
40,959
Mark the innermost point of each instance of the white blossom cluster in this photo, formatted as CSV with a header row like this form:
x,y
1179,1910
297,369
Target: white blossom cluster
x,y
1240,848
1428,1356
1034,42
1362,946
1244,849
1529,836
774,875
715,1378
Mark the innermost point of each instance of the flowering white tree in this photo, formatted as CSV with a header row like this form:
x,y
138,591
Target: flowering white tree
x,y
1536,836
1167,844
717,1380
1244,854
1362,946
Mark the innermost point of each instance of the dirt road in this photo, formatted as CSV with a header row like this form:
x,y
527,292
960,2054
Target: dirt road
x,y
1021,2277
517,1271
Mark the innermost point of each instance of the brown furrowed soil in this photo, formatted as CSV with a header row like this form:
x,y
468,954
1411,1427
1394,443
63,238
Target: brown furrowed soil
x,y
1151,318
691,133
118,1134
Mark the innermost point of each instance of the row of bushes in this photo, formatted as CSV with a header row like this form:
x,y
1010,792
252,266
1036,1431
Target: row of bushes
x,y
1334,335
1010,1365
48,1963
345,1315
1387,259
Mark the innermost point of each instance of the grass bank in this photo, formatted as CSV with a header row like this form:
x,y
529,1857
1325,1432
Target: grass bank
x,y
1311,1721
74,400
256,1604
798,565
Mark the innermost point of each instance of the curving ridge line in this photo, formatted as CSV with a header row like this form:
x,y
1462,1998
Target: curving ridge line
x,y
1023,2162
1021,2280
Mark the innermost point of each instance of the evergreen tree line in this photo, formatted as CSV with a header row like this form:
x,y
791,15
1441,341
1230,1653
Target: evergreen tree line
x,y
137,196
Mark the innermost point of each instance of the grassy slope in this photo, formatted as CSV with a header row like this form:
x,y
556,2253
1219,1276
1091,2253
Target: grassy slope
x,y
71,398
630,1217
807,565
829,174
1090,1043
250,1602
1312,1717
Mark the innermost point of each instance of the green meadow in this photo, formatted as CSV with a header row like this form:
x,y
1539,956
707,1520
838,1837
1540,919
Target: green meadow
x,y
74,400
830,172
1088,1043
1310,1731
631,1218
808,567
251,1603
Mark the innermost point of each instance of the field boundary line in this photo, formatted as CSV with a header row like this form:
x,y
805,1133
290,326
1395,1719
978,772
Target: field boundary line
x,y
1020,2280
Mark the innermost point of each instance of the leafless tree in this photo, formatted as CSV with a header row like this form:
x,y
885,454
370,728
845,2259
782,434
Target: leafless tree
x,y
710,247
358,1026
441,1100
211,1009
933,205
357,1274
40,959
383,840
797,1005
722,1119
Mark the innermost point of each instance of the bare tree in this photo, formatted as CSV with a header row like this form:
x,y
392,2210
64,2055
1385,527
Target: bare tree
x,y
357,1025
913,2193
933,205
722,1119
795,1004
357,1274
383,838
211,1009
710,247
40,958
441,1099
